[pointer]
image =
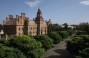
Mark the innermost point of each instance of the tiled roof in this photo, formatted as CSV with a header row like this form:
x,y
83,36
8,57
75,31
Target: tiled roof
x,y
32,23
11,22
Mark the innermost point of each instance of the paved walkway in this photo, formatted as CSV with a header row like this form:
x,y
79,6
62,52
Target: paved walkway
x,y
58,51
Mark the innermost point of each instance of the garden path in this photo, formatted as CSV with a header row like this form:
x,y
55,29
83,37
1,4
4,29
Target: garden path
x,y
58,51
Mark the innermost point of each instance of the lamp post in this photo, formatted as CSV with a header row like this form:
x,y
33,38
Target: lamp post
x,y
1,32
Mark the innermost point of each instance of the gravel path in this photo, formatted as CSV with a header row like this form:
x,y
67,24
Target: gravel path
x,y
58,51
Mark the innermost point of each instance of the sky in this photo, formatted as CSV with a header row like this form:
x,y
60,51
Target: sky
x,y
59,11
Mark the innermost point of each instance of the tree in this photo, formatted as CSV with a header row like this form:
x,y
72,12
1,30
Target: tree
x,y
46,41
83,27
49,28
25,27
65,25
55,27
1,27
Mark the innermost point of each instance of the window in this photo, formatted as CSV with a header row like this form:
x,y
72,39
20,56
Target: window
x,y
30,32
18,20
19,33
19,28
22,28
31,28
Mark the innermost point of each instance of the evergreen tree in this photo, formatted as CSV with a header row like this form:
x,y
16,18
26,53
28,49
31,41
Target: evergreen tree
x,y
25,27
65,25
1,26
38,29
49,28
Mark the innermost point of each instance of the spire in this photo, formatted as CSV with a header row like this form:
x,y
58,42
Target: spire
x,y
39,10
39,15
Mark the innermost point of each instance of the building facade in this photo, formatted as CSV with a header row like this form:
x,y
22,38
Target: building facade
x,y
14,26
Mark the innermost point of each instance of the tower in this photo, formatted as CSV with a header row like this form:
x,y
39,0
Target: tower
x,y
39,20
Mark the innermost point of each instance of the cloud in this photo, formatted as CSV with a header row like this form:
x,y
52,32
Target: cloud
x,y
85,2
33,3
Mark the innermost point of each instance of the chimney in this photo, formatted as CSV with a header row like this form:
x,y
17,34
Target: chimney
x,y
23,15
17,17
10,16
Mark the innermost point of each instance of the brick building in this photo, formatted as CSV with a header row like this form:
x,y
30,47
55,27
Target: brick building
x,y
14,26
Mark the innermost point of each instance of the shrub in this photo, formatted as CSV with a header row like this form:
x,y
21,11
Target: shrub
x,y
73,46
55,37
63,34
8,52
82,33
84,53
77,46
70,32
30,47
46,41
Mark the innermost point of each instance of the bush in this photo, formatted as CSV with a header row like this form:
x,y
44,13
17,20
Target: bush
x,y
8,52
73,45
46,41
30,47
82,33
70,32
77,46
55,37
63,34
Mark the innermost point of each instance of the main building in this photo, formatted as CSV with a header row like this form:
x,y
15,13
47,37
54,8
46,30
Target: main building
x,y
14,26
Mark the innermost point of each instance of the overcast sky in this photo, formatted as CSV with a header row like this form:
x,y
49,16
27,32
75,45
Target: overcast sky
x,y
59,11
